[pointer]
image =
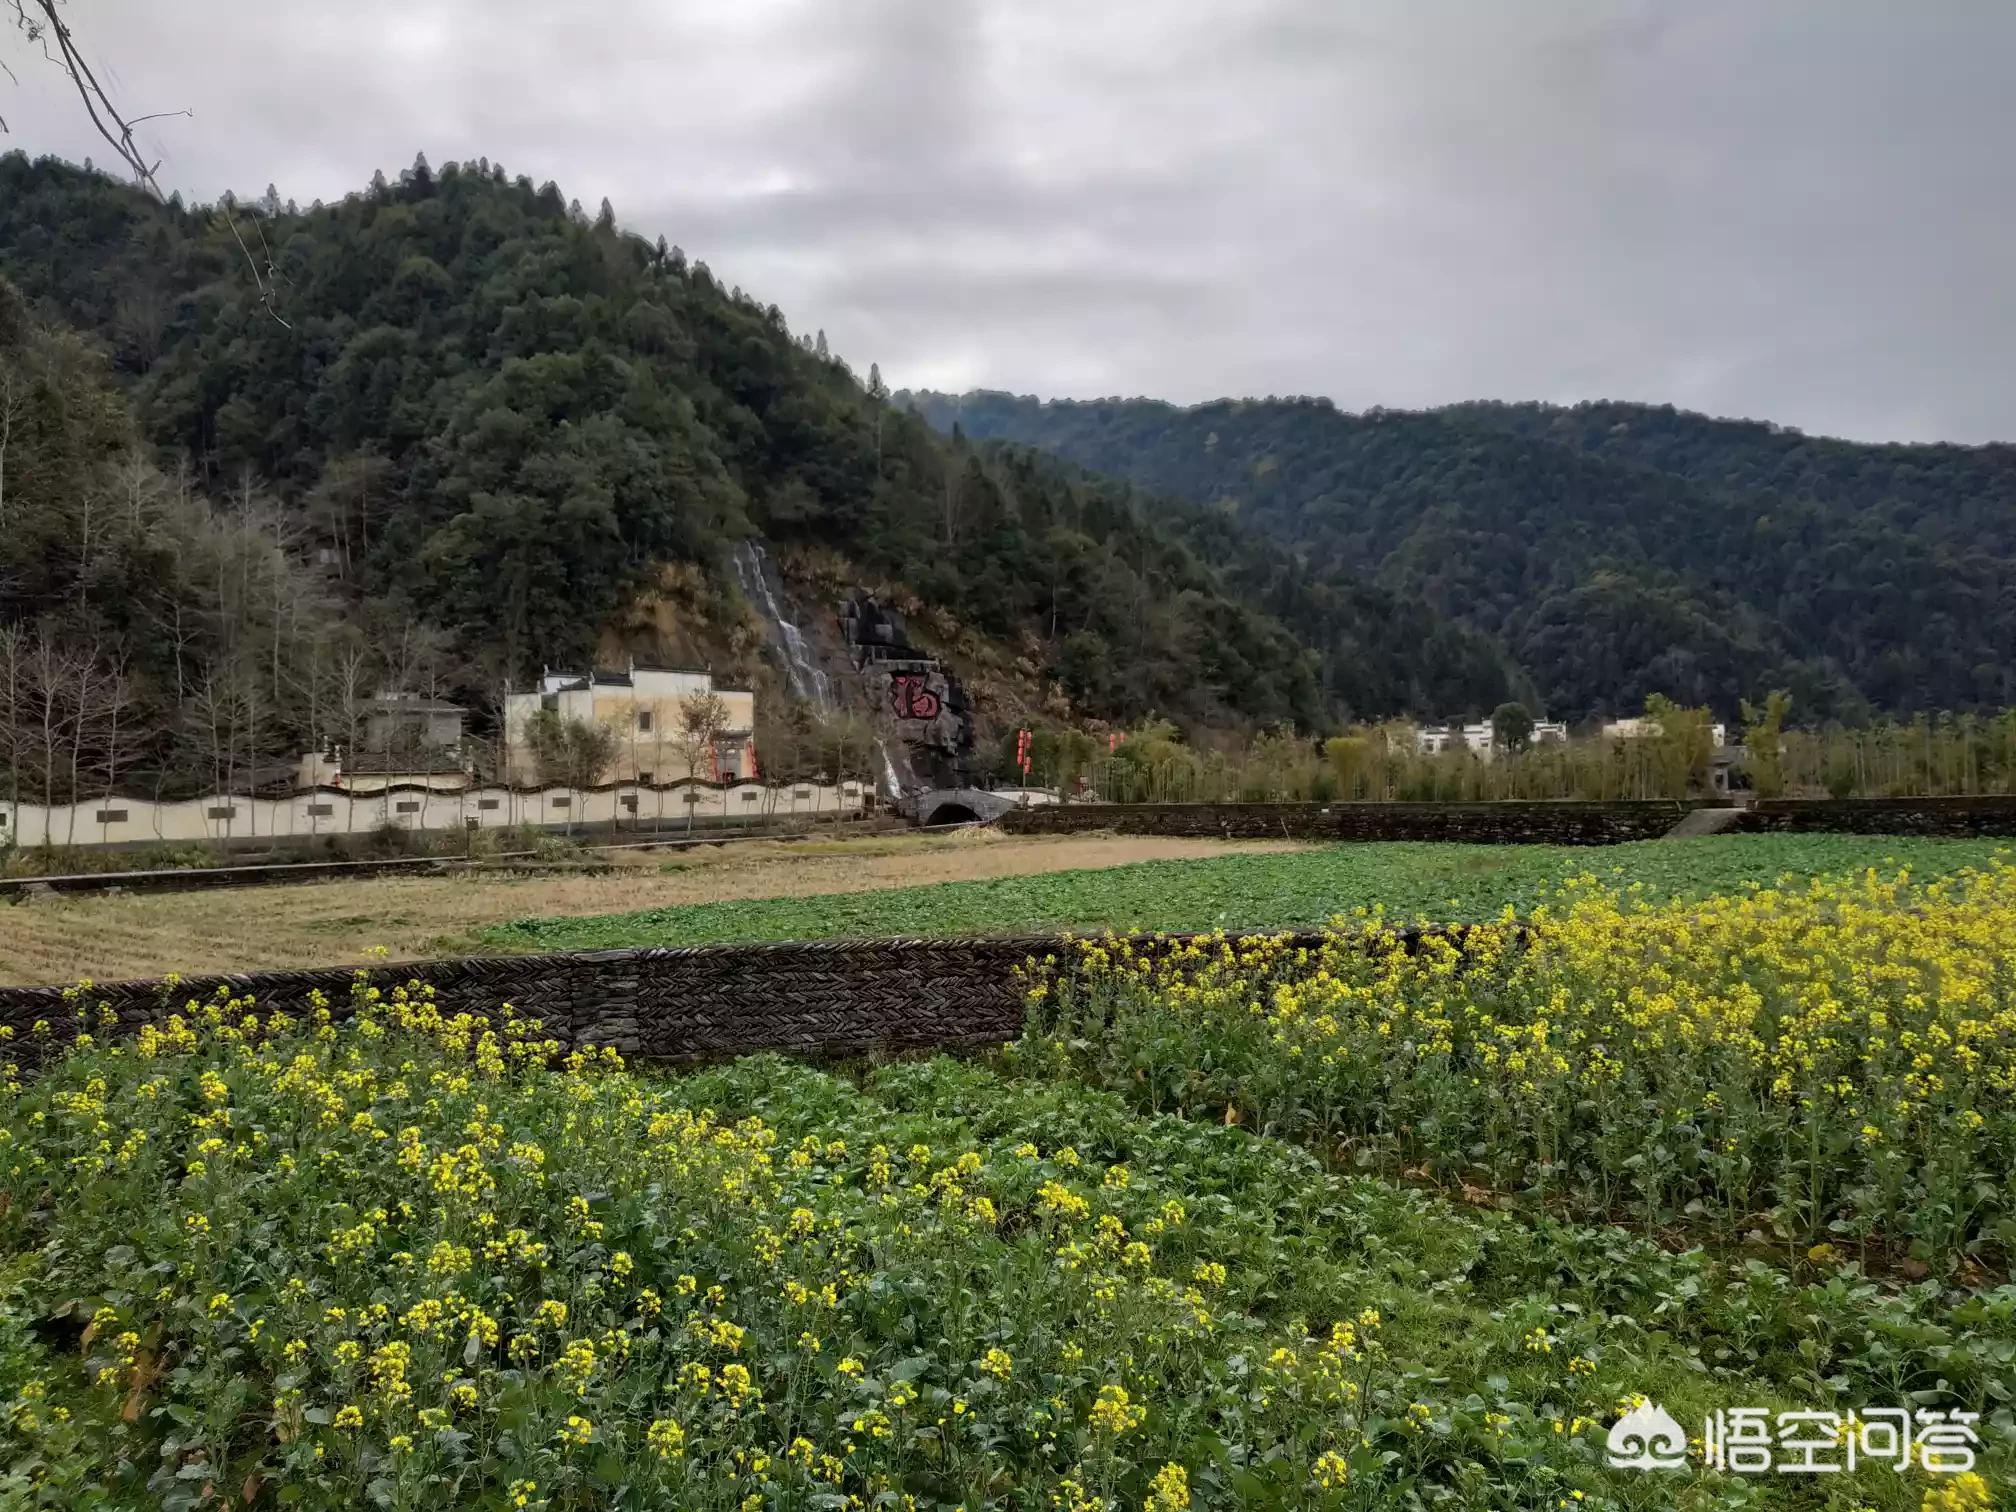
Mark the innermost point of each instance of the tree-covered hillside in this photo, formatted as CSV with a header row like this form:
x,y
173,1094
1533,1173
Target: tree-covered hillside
x,y
1618,550
490,415
149,637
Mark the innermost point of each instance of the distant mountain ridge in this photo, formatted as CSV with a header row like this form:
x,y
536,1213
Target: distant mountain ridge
x,y
1614,549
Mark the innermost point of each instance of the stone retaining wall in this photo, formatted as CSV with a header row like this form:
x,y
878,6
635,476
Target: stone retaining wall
x,y
1550,823
1969,817
701,1003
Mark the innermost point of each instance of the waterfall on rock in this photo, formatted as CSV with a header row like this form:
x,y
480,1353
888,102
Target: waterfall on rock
x,y
892,784
808,679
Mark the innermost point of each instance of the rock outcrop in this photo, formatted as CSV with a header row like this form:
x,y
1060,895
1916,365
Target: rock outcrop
x,y
915,697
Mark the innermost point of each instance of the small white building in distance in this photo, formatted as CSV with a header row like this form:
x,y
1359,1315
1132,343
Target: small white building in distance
x,y
1477,738
1638,728
641,705
1432,740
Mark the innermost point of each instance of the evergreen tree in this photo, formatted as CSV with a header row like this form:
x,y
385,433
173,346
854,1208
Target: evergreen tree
x,y
1511,728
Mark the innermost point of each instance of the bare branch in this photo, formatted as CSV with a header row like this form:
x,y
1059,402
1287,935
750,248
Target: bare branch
x,y
265,289
38,21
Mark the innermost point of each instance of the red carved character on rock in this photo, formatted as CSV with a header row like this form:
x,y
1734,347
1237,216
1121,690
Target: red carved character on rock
x,y
911,698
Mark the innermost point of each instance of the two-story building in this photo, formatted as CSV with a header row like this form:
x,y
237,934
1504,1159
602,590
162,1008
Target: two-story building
x,y
1479,738
643,707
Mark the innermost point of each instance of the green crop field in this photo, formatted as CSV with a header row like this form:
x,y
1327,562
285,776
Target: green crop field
x,y
1273,891
1162,1255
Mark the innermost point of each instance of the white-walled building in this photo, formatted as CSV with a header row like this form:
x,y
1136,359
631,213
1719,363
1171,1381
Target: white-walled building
x,y
1640,727
1478,738
1431,740
641,705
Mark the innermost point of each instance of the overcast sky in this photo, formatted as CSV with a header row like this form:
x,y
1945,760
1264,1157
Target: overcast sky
x,y
1798,210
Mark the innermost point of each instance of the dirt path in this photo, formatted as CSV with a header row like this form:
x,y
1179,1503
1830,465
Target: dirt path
x,y
333,923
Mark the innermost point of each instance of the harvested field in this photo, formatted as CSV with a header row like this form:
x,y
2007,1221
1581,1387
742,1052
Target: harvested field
x,y
109,937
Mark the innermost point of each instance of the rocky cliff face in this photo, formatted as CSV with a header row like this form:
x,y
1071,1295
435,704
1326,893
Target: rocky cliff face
x,y
912,694
921,713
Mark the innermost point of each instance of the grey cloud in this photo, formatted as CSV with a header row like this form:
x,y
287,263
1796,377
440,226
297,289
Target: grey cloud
x,y
1798,211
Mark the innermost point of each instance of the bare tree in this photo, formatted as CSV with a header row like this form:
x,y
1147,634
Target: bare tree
x,y
844,736
13,654
658,766
352,673
222,716
341,502
572,753
104,731
139,495
140,322
701,717
50,690
13,410
416,656
88,516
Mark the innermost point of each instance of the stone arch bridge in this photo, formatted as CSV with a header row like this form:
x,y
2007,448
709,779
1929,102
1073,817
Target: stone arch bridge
x,y
955,805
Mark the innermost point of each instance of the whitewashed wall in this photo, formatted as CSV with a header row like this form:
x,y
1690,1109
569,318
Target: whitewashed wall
x,y
306,815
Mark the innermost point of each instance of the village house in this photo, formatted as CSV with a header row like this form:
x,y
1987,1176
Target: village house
x,y
402,740
442,770
1477,738
1641,728
641,705
409,722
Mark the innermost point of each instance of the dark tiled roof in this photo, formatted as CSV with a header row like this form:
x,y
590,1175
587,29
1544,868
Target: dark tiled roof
x,y
412,706
399,763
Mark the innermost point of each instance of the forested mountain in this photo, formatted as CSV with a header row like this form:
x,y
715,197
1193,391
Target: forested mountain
x,y
1616,549
150,638
490,418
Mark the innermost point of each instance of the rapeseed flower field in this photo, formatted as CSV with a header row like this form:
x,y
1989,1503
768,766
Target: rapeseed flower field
x,y
374,1254
1827,1064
